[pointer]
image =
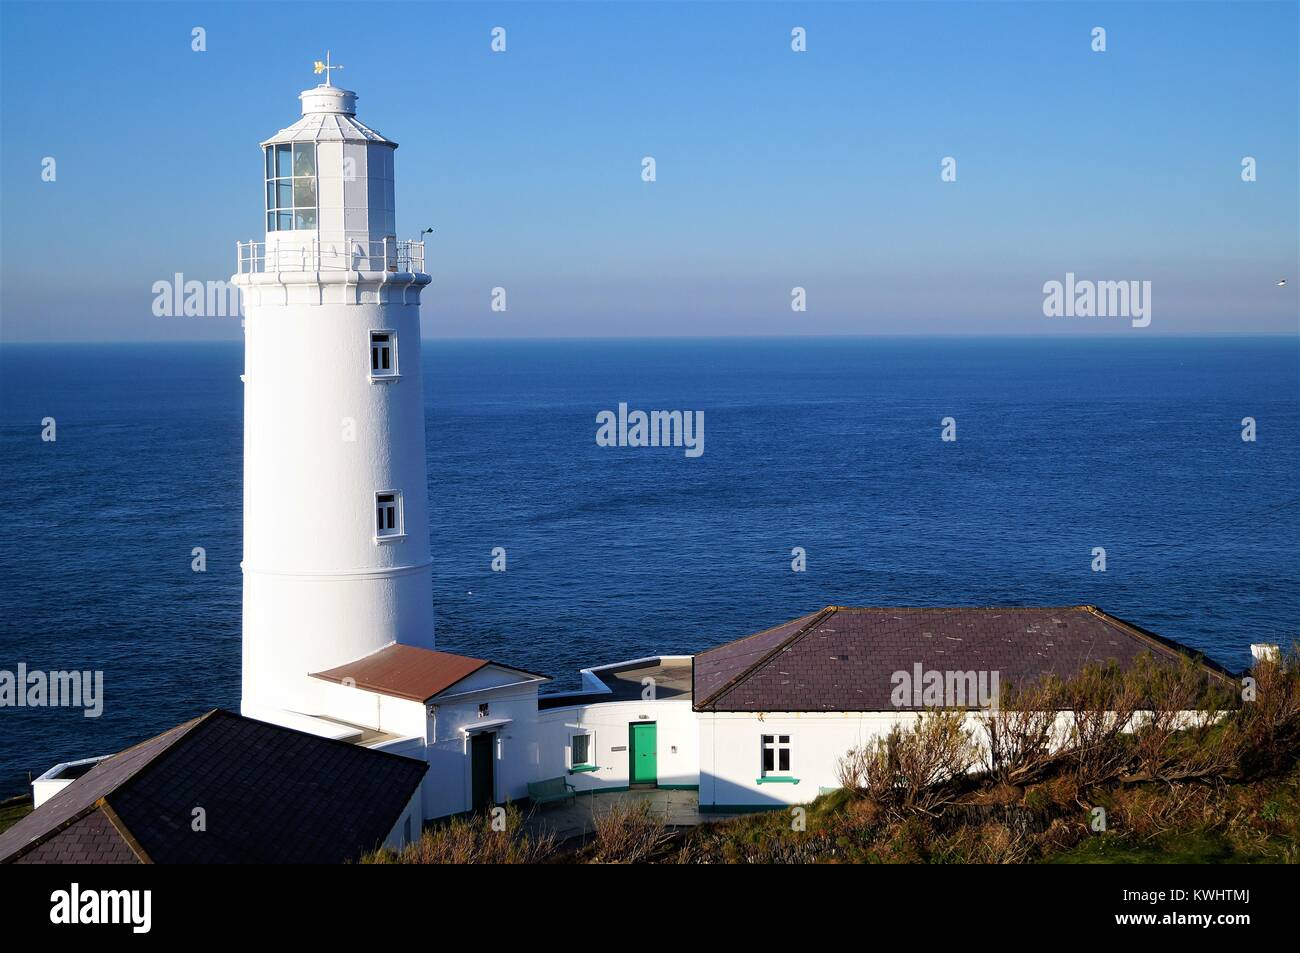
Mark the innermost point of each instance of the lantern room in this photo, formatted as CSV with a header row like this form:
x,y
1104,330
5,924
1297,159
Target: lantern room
x,y
328,183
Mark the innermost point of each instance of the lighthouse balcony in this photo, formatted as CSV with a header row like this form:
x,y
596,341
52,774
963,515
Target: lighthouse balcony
x,y
387,255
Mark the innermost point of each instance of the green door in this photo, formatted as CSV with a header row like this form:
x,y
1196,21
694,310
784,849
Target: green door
x,y
643,748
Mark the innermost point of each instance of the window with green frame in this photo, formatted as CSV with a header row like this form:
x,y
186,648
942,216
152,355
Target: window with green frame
x,y
580,751
290,186
776,755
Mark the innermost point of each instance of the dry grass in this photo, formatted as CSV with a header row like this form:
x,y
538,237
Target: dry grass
x,y
1101,702
472,840
1019,734
913,768
628,834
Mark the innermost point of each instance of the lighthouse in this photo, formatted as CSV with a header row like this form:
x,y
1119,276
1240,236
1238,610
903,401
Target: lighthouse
x,y
336,561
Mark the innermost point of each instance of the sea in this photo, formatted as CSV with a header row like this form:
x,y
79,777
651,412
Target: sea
x,y
829,448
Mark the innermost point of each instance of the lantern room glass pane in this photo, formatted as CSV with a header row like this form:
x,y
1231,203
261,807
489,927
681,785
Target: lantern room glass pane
x,y
305,218
282,157
284,192
284,221
270,195
304,158
304,193
270,165
270,221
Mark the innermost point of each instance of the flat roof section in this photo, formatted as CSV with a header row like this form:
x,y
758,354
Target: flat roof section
x,y
672,680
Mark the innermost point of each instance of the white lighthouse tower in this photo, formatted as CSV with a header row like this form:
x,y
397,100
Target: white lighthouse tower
x,y
336,529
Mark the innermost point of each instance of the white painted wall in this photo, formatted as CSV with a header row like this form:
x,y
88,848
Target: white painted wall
x,y
409,825
609,722
489,676
59,777
534,746
318,589
360,706
731,749
45,788
731,752
447,786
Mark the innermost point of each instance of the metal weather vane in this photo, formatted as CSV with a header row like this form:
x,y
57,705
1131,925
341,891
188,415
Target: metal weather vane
x,y
325,67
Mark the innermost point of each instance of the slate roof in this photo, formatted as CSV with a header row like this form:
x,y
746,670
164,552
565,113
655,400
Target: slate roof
x,y
410,671
716,667
90,839
270,795
843,659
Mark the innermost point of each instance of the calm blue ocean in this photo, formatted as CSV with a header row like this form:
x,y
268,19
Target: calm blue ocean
x,y
831,445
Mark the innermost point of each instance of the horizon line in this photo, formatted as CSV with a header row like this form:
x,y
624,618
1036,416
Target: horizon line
x,y
1108,336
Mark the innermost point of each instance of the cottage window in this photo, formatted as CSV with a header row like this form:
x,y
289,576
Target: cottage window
x,y
580,750
776,755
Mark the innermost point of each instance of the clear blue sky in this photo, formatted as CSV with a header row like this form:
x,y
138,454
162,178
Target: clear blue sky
x,y
775,169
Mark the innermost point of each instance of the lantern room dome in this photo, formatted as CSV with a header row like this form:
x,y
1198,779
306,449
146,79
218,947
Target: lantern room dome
x,y
328,115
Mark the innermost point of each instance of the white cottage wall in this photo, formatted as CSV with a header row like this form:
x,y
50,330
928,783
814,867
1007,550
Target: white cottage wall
x,y
677,738
731,753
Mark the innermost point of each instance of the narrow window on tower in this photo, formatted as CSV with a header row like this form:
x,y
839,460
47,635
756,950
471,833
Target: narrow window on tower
x,y
388,514
383,354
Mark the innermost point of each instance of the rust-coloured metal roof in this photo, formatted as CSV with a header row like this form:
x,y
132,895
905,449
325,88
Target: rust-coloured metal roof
x,y
405,671
844,659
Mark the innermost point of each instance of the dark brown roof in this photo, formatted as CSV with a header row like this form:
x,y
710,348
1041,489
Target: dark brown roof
x,y
409,671
269,795
83,796
90,839
716,667
844,659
